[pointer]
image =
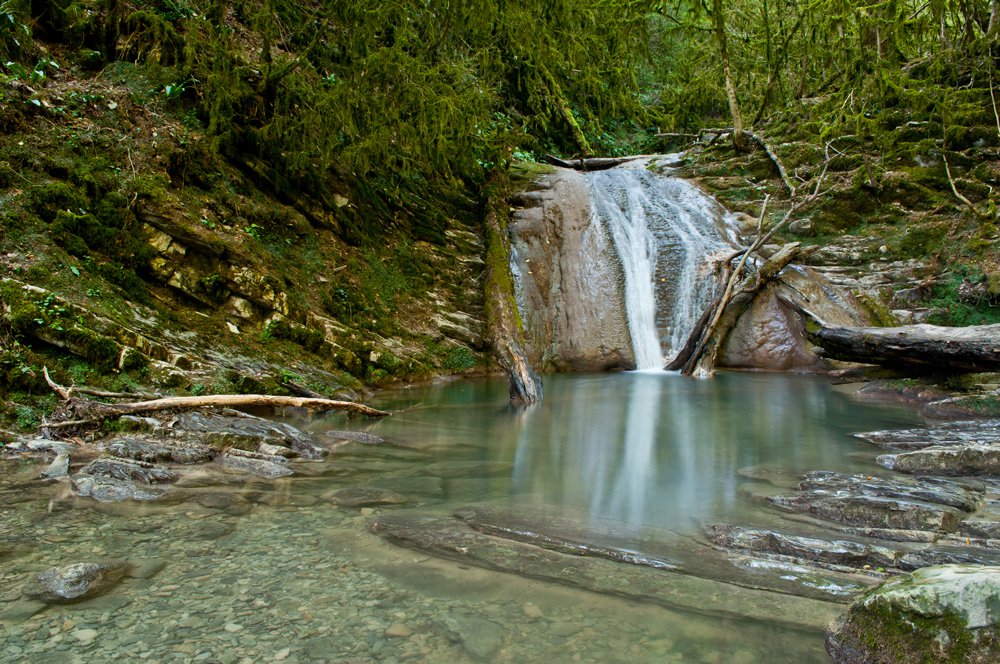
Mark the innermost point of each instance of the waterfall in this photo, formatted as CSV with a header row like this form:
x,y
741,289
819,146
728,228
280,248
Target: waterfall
x,y
666,232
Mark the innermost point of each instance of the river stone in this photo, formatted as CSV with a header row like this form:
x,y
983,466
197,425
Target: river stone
x,y
128,470
262,465
106,489
360,496
78,581
480,637
58,468
356,436
55,446
244,431
946,613
971,459
153,451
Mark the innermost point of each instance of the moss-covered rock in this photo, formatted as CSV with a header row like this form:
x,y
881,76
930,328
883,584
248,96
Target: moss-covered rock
x,y
947,613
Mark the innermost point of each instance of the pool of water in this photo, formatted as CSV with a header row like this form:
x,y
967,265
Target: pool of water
x,y
258,570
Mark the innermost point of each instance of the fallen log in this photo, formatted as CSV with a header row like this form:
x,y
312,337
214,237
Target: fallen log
x,y
931,348
87,411
591,163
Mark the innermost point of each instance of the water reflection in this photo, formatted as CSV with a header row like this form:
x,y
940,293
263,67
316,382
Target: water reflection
x,y
646,448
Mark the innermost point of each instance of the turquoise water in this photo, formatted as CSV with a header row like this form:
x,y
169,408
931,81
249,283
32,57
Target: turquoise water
x,y
256,571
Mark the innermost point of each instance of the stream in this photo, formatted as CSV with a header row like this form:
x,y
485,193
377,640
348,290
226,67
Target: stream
x,y
256,570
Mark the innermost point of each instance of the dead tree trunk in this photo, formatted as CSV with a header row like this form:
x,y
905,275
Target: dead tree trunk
x,y
924,348
506,331
728,310
591,164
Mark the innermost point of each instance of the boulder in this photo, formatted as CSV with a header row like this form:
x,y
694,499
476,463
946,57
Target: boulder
x,y
79,581
948,613
244,431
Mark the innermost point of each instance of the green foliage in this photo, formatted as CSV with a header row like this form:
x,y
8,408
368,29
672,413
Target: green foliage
x,y
957,309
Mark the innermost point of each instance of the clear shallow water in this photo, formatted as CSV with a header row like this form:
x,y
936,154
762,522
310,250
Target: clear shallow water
x,y
272,571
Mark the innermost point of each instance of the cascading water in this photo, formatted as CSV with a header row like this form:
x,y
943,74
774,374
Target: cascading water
x,y
665,231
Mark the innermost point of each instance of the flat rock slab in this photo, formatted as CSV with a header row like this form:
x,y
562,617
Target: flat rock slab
x,y
923,504
453,539
839,553
965,460
951,433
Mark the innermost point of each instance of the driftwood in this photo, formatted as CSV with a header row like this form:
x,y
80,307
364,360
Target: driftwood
x,y
90,412
919,347
590,164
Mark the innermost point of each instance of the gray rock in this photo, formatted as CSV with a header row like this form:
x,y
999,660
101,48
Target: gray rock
x,y
360,496
245,431
942,614
966,460
357,436
78,581
153,451
106,489
127,470
923,504
58,468
261,465
54,446
481,638
951,433
767,543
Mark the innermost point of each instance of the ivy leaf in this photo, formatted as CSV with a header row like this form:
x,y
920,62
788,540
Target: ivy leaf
x,y
74,270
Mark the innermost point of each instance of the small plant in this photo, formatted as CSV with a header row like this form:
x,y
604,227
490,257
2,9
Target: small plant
x,y
254,230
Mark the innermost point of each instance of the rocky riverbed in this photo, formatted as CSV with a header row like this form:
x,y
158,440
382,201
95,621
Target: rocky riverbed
x,y
218,536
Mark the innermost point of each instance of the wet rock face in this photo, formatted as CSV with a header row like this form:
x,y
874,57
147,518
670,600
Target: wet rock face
x,y
971,459
108,489
244,431
79,581
126,470
947,613
569,287
154,451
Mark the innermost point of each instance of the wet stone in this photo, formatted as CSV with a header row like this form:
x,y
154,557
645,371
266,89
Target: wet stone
x,y
128,470
153,451
361,496
951,433
106,489
838,552
262,465
245,431
58,468
481,638
78,581
923,504
970,459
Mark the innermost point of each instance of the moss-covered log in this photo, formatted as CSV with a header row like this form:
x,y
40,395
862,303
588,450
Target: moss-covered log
x,y
506,329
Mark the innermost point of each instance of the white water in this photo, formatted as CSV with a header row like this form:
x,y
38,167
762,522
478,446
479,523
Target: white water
x,y
666,232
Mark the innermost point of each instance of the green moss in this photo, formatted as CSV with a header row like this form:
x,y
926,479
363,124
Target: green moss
x,y
877,311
